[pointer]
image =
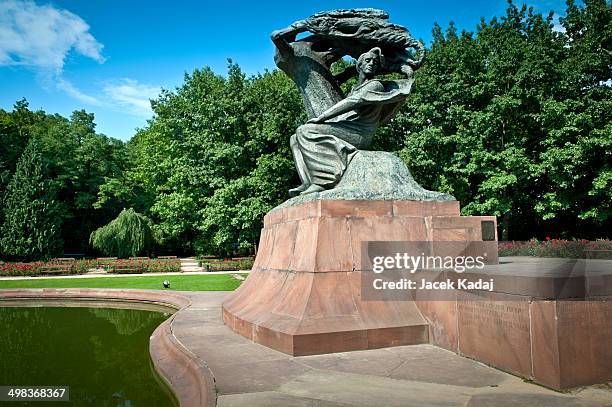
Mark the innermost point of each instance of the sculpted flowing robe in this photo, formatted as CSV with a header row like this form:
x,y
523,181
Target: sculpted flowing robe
x,y
323,151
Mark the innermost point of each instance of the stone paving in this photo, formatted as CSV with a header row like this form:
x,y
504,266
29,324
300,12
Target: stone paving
x,y
190,264
246,373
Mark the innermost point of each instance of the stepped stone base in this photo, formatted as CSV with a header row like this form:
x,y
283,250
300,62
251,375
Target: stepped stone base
x,y
547,320
304,296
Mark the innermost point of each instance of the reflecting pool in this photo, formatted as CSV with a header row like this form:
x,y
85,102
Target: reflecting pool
x,y
102,354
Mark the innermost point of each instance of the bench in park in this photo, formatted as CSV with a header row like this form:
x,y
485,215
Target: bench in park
x,y
167,258
106,262
598,254
126,268
60,265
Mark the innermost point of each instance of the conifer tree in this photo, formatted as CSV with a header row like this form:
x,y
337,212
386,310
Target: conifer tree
x,y
31,228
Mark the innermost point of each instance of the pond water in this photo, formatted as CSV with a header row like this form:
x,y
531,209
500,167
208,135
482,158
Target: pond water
x,y
102,354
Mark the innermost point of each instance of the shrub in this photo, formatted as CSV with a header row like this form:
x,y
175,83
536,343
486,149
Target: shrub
x,y
20,269
573,249
82,266
229,265
163,266
146,266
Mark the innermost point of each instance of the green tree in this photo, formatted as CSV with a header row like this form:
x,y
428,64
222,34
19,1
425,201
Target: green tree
x,y
31,229
514,120
13,139
213,160
76,160
130,234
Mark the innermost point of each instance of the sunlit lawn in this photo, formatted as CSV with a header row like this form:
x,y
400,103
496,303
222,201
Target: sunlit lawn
x,y
214,282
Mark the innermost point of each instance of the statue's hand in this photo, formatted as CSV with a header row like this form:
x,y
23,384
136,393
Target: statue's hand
x,y
407,70
314,120
294,29
277,34
300,25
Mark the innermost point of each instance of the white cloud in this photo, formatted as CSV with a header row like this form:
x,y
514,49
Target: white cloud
x,y
557,24
42,36
132,95
73,91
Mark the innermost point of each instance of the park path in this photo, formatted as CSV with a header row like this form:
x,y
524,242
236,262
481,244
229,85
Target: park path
x,y
190,264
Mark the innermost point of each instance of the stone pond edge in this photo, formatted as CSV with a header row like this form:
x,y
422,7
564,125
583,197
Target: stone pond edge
x,y
189,378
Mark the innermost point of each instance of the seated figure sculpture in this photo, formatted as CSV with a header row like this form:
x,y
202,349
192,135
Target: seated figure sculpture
x,y
340,128
324,146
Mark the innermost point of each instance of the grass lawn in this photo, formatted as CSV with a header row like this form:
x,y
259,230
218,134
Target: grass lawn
x,y
218,282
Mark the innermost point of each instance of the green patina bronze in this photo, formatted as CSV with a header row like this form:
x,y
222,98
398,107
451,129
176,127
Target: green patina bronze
x,y
330,150
374,175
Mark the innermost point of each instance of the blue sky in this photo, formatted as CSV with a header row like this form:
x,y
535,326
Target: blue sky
x,y
109,57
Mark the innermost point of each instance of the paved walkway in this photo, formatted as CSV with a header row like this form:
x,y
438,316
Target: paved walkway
x,y
209,365
193,273
246,373
190,264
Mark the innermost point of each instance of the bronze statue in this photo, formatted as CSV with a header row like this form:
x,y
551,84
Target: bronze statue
x,y
339,126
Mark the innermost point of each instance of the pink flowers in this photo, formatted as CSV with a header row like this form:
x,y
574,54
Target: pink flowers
x,y
20,269
83,266
552,247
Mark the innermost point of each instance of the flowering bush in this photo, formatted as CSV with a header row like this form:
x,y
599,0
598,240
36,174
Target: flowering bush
x,y
574,249
20,269
146,266
229,265
83,266
163,266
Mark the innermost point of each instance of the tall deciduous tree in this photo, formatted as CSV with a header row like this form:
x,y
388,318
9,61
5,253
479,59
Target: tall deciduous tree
x,y
31,229
514,120
214,159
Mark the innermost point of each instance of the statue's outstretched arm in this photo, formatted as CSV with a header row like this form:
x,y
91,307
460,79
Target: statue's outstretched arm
x,y
420,54
342,106
281,38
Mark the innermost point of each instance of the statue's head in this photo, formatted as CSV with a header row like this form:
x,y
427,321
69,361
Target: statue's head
x,y
369,63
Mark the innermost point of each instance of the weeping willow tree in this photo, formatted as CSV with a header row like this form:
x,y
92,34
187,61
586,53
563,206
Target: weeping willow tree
x,y
130,234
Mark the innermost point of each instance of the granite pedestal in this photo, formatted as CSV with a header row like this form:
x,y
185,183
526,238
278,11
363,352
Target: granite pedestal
x,y
548,320
303,295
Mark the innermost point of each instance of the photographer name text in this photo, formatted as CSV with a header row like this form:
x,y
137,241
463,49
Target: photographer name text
x,y
424,284
422,262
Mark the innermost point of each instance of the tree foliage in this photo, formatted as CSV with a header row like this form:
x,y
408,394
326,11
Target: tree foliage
x,y
214,159
130,234
76,159
31,229
514,120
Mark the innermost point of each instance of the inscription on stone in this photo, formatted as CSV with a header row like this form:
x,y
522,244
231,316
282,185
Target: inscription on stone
x,y
585,314
495,331
497,314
